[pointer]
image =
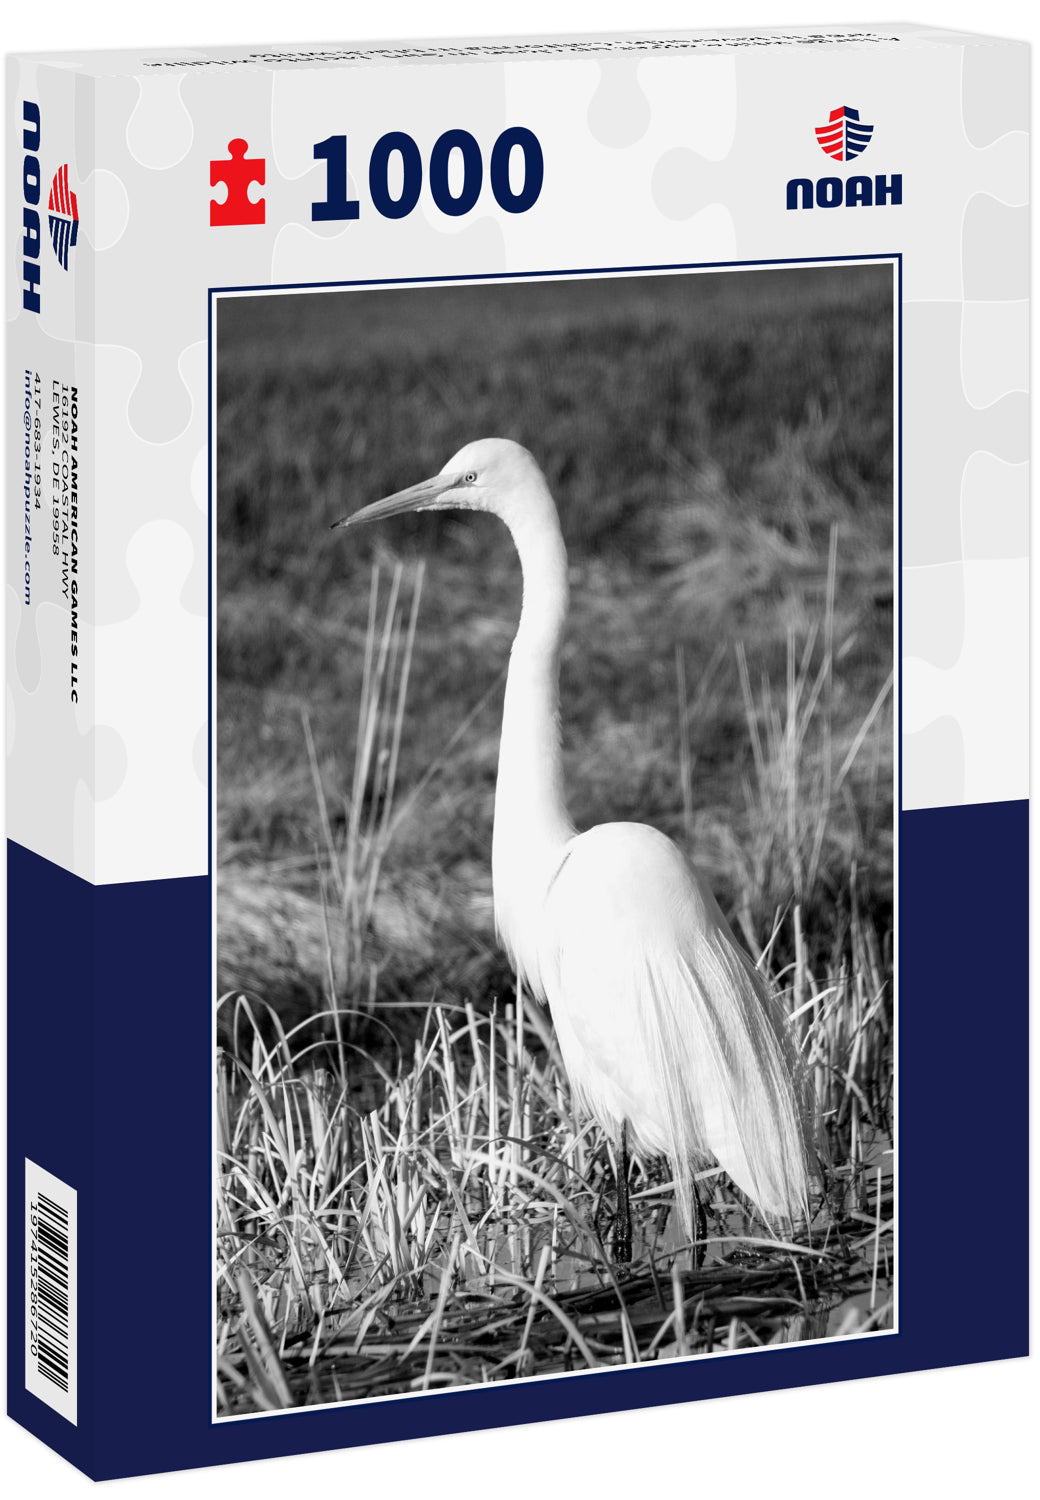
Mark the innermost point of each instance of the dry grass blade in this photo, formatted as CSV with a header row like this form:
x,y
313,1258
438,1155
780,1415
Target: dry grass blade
x,y
446,1227
267,1369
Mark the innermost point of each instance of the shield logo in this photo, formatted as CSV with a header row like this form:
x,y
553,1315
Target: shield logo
x,y
844,136
63,216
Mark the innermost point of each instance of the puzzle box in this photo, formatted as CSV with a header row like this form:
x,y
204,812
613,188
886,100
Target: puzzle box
x,y
717,746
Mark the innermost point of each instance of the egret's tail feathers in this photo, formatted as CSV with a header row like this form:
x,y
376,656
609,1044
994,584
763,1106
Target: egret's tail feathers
x,y
732,1080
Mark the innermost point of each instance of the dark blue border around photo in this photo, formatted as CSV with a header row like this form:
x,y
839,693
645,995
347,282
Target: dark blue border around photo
x,y
111,1018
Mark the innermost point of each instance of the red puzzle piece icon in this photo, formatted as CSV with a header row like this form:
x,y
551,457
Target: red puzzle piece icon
x,y
237,173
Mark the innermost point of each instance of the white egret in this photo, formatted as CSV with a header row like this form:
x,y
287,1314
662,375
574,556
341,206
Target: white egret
x,y
670,1036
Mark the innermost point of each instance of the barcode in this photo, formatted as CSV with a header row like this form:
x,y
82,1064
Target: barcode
x,y
50,1290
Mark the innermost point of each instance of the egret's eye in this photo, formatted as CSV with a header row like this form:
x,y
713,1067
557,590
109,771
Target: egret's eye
x,y
469,478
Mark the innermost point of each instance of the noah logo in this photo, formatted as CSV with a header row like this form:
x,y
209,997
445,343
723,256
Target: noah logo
x,y
62,215
843,138
30,206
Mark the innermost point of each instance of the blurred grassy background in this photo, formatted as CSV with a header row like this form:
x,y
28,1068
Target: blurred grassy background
x,y
704,436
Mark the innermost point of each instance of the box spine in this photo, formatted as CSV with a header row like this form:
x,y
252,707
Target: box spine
x,y
51,1078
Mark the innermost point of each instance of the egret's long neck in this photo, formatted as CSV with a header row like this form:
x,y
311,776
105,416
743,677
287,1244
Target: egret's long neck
x,y
531,822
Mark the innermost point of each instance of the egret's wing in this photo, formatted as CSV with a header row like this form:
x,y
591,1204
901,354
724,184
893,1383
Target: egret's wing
x,y
664,1021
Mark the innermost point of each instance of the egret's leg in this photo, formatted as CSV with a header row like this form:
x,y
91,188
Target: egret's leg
x,y
700,1229
623,1220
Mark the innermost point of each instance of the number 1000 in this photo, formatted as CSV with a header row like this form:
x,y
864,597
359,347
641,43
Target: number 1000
x,y
336,205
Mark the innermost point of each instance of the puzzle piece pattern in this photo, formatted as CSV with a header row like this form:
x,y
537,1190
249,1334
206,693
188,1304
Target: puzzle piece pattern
x,y
656,187
78,764
145,446
619,112
167,833
51,746
159,132
140,114
965,506
238,175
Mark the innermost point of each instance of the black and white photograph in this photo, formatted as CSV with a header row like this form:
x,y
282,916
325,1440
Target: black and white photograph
x,y
553,826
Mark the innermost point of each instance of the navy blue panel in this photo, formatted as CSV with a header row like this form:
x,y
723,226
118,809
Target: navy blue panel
x,y
154,1045
146,1206
963,1076
50,1080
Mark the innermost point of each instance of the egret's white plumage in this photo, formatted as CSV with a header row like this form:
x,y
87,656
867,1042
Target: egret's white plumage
x,y
664,1023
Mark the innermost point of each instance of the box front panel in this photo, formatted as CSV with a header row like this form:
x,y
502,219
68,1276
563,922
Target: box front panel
x,y
759,314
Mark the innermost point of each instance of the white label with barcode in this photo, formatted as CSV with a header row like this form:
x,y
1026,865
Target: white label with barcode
x,y
50,1290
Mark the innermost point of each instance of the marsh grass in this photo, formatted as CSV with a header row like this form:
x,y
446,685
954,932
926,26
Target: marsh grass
x,y
459,1232
405,1198
425,1210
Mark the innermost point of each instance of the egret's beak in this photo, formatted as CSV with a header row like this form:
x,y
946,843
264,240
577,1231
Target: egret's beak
x,y
421,496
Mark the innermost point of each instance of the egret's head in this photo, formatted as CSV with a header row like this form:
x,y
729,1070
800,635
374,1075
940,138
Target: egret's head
x,y
492,474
